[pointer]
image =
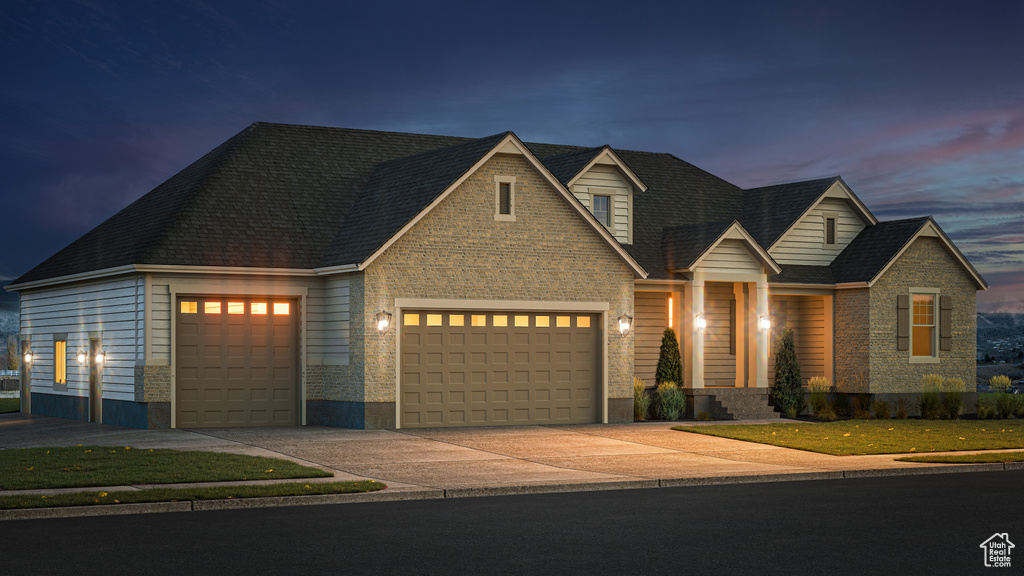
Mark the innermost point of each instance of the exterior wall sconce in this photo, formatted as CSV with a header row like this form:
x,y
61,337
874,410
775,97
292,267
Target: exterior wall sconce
x,y
625,324
100,358
766,323
700,321
28,357
383,319
82,357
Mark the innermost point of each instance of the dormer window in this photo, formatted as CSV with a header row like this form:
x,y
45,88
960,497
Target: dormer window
x,y
830,230
601,209
505,198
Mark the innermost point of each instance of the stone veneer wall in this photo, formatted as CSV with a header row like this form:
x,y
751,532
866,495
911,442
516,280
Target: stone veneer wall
x,y
852,314
925,264
153,383
459,251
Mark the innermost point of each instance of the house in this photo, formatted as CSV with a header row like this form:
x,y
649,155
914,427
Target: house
x,y
308,275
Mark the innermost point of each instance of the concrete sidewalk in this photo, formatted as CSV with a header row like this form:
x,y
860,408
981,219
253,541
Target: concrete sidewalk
x,y
455,462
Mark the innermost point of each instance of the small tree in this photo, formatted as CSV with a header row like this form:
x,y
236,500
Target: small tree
x,y
11,355
670,367
786,392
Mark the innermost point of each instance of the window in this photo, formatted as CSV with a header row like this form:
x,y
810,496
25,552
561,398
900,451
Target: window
x,y
236,307
412,319
60,361
282,308
211,307
505,198
922,334
258,308
189,307
601,210
829,237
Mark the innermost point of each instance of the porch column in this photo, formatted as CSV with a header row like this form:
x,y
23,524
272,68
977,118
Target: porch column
x,y
763,336
829,338
739,293
695,298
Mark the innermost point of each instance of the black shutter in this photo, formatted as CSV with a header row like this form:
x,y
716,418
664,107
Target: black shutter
x,y
945,323
903,322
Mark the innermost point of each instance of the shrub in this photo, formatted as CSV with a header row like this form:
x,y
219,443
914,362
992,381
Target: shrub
x,y
862,407
930,400
1006,405
902,407
670,366
702,415
841,405
880,409
1000,383
821,407
786,392
641,401
952,398
671,401
985,409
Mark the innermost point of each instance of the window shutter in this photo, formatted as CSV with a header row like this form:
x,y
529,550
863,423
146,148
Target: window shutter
x,y
903,322
945,323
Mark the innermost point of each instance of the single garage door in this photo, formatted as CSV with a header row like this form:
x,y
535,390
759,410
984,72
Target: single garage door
x,y
498,368
236,362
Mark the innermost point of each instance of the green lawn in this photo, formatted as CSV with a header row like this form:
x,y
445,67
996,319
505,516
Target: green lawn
x,y
847,437
9,405
984,458
121,466
186,494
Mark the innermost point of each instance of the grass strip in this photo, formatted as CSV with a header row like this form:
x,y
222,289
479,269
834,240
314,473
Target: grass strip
x,y
187,494
10,405
850,437
87,466
985,458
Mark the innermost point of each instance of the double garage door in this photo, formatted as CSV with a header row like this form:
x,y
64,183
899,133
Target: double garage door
x,y
236,362
498,368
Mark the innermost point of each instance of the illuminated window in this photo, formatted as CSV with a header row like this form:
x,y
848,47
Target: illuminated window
x,y
456,320
258,308
433,319
282,308
189,307
670,323
60,361
583,321
211,307
479,320
236,307
543,321
412,319
500,320
522,321
563,321
922,335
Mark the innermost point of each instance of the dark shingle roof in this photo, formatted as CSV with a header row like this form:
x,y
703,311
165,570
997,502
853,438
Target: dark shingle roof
x,y
568,164
682,245
396,192
802,274
769,211
873,248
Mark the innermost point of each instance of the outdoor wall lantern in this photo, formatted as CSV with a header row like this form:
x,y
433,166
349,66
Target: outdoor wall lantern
x,y
766,323
100,358
383,319
28,357
625,324
82,357
700,321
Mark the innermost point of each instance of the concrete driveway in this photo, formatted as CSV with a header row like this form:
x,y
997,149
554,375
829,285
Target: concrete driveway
x,y
467,461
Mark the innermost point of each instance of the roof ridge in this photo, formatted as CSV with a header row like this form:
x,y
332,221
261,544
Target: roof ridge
x,y
792,182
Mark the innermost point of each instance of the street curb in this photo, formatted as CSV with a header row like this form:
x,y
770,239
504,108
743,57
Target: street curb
x,y
406,494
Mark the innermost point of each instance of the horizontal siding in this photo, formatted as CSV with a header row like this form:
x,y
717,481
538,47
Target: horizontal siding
x,y
730,256
161,322
804,243
327,315
650,311
110,310
601,179
719,363
806,316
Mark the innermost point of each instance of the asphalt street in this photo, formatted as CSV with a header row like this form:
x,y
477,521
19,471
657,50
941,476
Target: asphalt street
x,y
932,524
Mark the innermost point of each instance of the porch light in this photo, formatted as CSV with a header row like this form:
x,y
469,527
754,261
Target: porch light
x,y
28,357
82,357
383,319
766,323
700,321
100,358
625,324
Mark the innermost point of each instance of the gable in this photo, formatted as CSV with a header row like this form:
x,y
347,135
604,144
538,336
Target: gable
x,y
730,256
605,180
804,242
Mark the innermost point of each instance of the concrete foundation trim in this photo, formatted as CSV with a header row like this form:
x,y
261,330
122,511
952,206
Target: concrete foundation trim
x,y
343,414
60,406
145,415
620,410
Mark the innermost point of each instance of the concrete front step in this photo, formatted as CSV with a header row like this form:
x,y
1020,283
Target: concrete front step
x,y
732,403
